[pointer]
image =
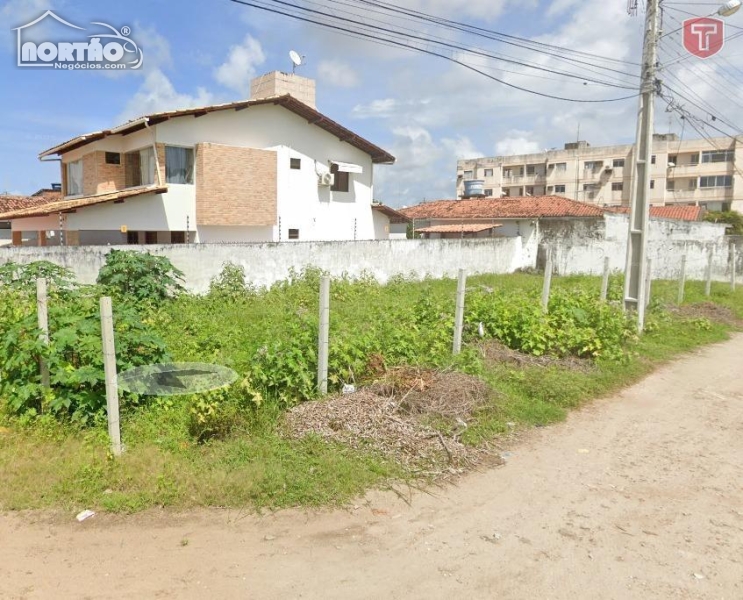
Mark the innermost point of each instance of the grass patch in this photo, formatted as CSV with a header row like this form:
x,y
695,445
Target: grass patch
x,y
48,464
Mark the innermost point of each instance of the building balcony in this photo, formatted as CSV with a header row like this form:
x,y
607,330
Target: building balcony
x,y
524,179
699,195
687,170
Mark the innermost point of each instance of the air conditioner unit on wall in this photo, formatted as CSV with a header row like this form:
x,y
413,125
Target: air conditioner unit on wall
x,y
326,179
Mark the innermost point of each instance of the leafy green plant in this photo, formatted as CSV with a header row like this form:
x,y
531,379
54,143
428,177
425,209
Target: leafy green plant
x,y
73,355
23,277
230,284
731,217
134,276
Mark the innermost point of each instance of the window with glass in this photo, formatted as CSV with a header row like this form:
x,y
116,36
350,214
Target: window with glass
x,y
618,163
113,158
670,185
139,167
561,167
179,165
531,170
717,156
488,193
75,178
341,179
488,172
617,187
716,181
468,174
559,189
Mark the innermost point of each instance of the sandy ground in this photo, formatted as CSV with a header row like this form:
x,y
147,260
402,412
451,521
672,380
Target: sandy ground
x,y
636,496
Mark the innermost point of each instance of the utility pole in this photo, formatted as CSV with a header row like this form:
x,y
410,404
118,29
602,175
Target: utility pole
x,y
634,282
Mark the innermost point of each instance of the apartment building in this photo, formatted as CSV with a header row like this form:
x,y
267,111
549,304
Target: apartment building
x,y
685,172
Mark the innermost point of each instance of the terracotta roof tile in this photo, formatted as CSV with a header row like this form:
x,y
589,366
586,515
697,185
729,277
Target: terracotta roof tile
x,y
503,208
670,211
12,203
313,116
47,208
458,228
393,215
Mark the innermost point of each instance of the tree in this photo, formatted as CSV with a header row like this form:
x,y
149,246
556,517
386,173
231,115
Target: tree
x,y
731,217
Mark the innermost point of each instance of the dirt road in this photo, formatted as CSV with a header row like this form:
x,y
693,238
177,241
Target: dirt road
x,y
637,496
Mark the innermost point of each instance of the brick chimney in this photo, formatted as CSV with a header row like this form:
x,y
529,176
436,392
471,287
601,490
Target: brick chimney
x,y
277,83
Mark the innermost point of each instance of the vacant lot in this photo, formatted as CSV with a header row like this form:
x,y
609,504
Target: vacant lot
x,y
637,496
424,414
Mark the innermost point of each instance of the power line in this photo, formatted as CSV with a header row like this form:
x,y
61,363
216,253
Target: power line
x,y
491,35
448,45
615,82
388,41
495,35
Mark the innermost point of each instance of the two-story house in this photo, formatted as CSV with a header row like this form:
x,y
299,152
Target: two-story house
x,y
268,169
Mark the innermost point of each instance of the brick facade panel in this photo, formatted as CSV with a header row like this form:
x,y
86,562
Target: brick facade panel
x,y
235,186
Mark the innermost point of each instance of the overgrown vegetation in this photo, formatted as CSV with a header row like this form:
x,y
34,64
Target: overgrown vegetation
x,y
730,217
228,447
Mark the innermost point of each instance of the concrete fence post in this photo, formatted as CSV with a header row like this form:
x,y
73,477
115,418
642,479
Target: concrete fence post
x,y
605,280
547,283
459,312
708,284
648,282
733,255
112,381
42,313
323,340
682,280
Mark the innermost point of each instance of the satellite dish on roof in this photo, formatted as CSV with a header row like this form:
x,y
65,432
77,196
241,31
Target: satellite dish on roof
x,y
296,60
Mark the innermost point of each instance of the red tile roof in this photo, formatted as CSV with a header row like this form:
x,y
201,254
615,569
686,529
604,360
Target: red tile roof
x,y
299,108
45,207
529,207
458,228
393,215
681,213
12,203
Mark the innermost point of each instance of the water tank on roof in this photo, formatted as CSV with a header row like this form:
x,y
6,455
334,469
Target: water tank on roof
x,y
473,187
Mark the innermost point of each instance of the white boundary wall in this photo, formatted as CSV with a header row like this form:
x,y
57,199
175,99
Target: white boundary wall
x,y
583,252
268,263
578,248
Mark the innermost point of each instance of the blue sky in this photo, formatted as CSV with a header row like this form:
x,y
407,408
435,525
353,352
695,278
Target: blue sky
x,y
427,111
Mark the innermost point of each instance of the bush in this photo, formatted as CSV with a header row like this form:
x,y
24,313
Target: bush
x,y
576,323
23,277
74,355
230,283
141,277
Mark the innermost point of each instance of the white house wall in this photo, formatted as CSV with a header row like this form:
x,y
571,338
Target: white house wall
x,y
150,212
318,212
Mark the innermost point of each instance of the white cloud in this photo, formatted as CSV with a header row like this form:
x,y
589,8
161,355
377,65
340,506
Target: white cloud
x,y
460,147
337,73
488,10
516,145
157,93
240,67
